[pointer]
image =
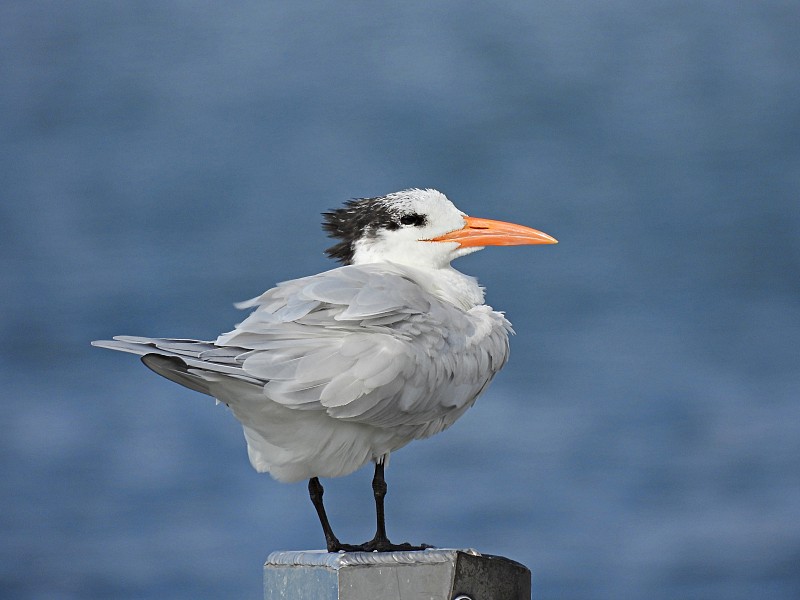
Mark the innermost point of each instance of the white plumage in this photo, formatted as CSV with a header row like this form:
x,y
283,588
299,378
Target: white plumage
x,y
335,370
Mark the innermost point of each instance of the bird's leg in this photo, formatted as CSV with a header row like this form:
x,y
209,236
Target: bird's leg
x,y
381,543
379,491
315,491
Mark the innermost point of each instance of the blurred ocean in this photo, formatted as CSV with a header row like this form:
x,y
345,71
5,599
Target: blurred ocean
x,y
162,160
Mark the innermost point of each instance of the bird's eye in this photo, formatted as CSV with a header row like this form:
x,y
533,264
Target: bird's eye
x,y
413,219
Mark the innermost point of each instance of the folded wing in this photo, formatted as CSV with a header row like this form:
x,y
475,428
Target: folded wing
x,y
361,343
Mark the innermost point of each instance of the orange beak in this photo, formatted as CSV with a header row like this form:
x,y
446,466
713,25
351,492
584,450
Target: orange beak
x,y
484,232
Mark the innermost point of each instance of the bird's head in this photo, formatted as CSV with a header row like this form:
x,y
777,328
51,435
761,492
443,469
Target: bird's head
x,y
416,227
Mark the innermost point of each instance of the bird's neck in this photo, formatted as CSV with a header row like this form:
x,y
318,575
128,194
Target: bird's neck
x,y
446,283
462,290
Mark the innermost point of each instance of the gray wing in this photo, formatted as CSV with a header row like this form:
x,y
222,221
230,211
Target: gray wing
x,y
369,344
363,343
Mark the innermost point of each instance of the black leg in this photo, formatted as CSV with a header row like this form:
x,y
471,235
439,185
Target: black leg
x,y
381,543
315,491
379,491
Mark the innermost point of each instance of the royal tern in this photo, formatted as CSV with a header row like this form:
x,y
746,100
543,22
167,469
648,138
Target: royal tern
x,y
335,370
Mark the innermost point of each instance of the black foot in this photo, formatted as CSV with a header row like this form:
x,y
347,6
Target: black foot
x,y
379,546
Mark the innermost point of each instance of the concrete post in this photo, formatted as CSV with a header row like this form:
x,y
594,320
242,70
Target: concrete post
x,y
433,574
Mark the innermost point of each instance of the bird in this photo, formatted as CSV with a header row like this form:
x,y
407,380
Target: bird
x,y
332,371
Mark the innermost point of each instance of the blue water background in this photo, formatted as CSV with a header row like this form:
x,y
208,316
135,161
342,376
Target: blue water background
x,y
161,160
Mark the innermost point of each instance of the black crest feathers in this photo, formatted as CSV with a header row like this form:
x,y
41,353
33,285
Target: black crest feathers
x,y
359,218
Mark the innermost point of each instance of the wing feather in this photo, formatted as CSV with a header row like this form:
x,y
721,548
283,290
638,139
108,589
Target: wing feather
x,y
362,343
375,348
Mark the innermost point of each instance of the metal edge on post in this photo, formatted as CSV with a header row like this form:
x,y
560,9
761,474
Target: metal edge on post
x,y
337,560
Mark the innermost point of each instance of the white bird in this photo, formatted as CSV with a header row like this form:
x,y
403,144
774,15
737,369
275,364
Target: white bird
x,y
335,370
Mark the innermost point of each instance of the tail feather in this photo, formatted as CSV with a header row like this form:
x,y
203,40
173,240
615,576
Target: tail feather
x,y
184,361
174,369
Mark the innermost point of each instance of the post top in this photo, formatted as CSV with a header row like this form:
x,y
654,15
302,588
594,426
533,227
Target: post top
x,y
337,560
